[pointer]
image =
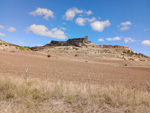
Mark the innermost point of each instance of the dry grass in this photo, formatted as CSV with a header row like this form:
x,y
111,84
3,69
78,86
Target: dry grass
x,y
36,96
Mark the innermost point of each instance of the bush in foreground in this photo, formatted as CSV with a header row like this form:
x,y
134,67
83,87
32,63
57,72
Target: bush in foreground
x,y
36,96
48,55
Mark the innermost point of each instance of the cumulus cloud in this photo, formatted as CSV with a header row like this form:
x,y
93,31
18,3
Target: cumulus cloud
x,y
113,39
43,12
2,27
44,31
21,42
100,25
89,12
101,40
71,13
82,21
128,39
63,28
146,42
2,34
37,45
147,29
91,19
125,25
11,29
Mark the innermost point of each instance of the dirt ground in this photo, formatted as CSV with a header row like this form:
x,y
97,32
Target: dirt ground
x,y
76,69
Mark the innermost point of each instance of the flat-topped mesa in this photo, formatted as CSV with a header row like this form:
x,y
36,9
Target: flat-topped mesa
x,y
71,42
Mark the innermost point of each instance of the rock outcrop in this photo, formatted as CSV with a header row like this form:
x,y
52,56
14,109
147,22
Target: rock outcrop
x,y
71,42
80,42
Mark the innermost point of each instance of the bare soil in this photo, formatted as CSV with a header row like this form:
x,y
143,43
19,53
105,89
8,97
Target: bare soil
x,y
65,67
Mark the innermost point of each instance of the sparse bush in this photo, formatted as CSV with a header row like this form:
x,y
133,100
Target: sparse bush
x,y
143,55
131,59
76,55
125,65
13,51
28,49
76,48
130,53
48,55
23,48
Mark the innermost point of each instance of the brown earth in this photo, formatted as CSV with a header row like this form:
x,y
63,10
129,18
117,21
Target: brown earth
x,y
69,68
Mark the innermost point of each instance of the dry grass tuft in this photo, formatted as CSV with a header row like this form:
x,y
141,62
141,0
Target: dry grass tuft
x,y
35,96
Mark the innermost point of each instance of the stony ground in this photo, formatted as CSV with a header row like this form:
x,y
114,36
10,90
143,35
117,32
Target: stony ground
x,y
66,67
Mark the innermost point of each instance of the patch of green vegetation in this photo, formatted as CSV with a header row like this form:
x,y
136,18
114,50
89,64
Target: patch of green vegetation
x,y
142,55
23,48
130,53
75,48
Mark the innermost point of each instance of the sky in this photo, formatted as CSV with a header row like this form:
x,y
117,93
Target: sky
x,y
105,22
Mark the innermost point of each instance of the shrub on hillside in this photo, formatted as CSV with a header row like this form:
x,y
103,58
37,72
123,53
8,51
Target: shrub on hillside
x,y
76,55
48,55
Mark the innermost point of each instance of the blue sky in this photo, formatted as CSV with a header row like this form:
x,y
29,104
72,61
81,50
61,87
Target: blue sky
x,y
110,22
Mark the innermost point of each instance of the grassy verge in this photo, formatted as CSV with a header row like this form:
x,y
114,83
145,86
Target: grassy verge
x,y
35,96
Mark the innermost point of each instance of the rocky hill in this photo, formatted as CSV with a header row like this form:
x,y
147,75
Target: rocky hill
x,y
81,47
84,47
6,46
78,42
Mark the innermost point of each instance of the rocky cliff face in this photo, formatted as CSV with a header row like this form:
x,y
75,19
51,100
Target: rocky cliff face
x,y
71,42
80,42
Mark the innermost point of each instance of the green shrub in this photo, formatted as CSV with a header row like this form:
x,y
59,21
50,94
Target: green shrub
x,y
28,49
23,48
130,53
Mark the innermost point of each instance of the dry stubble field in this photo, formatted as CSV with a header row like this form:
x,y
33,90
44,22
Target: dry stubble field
x,y
59,84
70,68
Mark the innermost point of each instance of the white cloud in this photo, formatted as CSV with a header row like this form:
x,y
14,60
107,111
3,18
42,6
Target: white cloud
x,y
91,19
21,42
44,31
2,34
2,27
63,28
37,45
11,29
146,42
125,25
43,11
128,39
80,21
113,39
147,29
89,12
101,40
100,25
71,13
